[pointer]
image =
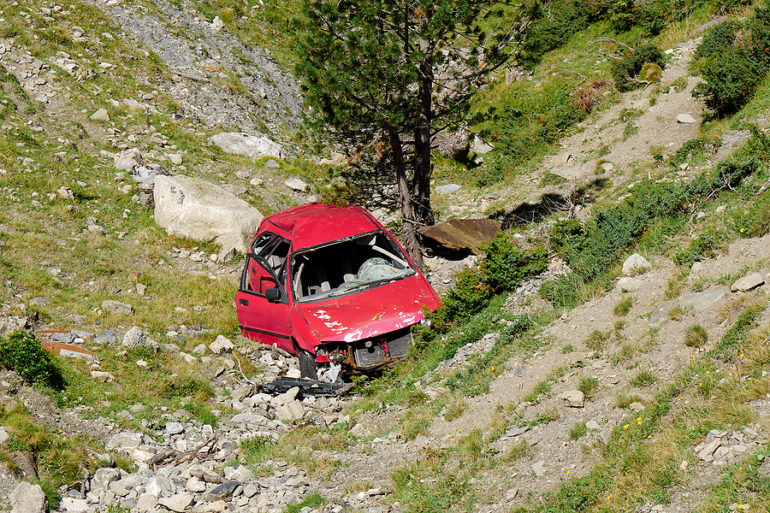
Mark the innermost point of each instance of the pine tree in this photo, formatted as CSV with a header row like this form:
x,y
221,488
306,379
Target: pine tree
x,y
400,72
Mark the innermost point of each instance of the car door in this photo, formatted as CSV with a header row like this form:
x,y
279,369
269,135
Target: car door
x,y
262,318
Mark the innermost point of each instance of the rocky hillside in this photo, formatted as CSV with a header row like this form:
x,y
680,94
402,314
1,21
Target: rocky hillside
x,y
631,374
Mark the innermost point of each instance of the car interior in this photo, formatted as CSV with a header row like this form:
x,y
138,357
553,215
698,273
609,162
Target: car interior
x,y
340,267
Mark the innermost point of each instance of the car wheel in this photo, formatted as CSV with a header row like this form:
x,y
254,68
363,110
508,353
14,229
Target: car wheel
x,y
308,367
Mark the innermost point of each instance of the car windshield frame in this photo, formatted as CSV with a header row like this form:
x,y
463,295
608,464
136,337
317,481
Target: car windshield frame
x,y
394,252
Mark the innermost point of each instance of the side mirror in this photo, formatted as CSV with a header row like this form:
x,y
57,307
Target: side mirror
x,y
273,295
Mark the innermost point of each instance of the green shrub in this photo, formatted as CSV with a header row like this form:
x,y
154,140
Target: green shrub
x,y
469,295
704,246
552,25
625,71
505,267
187,386
756,222
730,79
759,32
718,39
695,336
22,353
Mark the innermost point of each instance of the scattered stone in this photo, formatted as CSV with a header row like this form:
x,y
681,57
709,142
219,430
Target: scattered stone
x,y
573,398
254,146
607,167
748,282
71,505
480,147
448,188
106,337
178,502
221,345
28,498
135,337
636,264
592,425
685,118
628,284
102,376
116,307
272,164
636,406
127,159
707,453
146,503
100,115
196,209
224,490
295,184
66,193
141,289
539,468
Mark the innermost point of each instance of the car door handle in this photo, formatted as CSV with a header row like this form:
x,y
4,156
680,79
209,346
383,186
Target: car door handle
x,y
244,302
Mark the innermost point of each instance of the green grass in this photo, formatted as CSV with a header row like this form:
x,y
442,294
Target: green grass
x,y
578,430
623,306
589,386
313,500
644,379
596,339
695,336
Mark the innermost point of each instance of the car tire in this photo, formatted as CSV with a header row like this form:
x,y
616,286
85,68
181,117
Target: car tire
x,y
308,367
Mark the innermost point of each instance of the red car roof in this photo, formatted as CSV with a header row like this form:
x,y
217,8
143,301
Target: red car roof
x,y
316,223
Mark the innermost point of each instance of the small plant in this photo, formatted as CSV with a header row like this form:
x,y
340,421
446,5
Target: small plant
x,y
676,313
695,336
578,430
22,352
623,307
545,417
623,400
588,386
597,339
567,349
312,501
626,70
644,379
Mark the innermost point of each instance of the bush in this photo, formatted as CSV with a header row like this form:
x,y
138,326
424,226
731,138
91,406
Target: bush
x,y
733,72
717,39
624,71
730,79
469,296
704,246
552,25
563,292
505,267
22,353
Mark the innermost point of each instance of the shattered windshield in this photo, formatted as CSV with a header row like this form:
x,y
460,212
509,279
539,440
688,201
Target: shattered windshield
x,y
347,266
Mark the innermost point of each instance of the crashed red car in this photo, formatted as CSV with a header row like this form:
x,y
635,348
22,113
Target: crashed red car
x,y
332,286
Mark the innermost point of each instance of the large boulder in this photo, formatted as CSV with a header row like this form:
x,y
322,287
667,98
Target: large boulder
x,y
254,146
196,209
28,498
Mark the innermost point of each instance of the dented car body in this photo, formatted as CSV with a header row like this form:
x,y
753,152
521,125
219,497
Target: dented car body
x,y
331,285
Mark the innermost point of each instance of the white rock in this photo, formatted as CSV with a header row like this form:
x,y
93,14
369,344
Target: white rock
x,y
135,337
116,307
539,468
254,146
178,502
213,507
636,264
479,146
3,435
71,505
28,498
628,284
706,454
100,115
217,24
127,159
295,184
685,118
748,282
195,485
102,376
175,158
196,209
573,398
147,502
221,345
293,373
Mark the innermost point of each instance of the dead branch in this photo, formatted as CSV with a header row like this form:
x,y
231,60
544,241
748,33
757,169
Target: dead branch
x,y
608,55
190,455
583,78
613,41
241,369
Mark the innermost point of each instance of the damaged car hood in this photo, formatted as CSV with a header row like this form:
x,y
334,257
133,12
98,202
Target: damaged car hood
x,y
369,313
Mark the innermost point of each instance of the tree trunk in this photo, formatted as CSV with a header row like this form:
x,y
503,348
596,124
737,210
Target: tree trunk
x,y
409,230
423,168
